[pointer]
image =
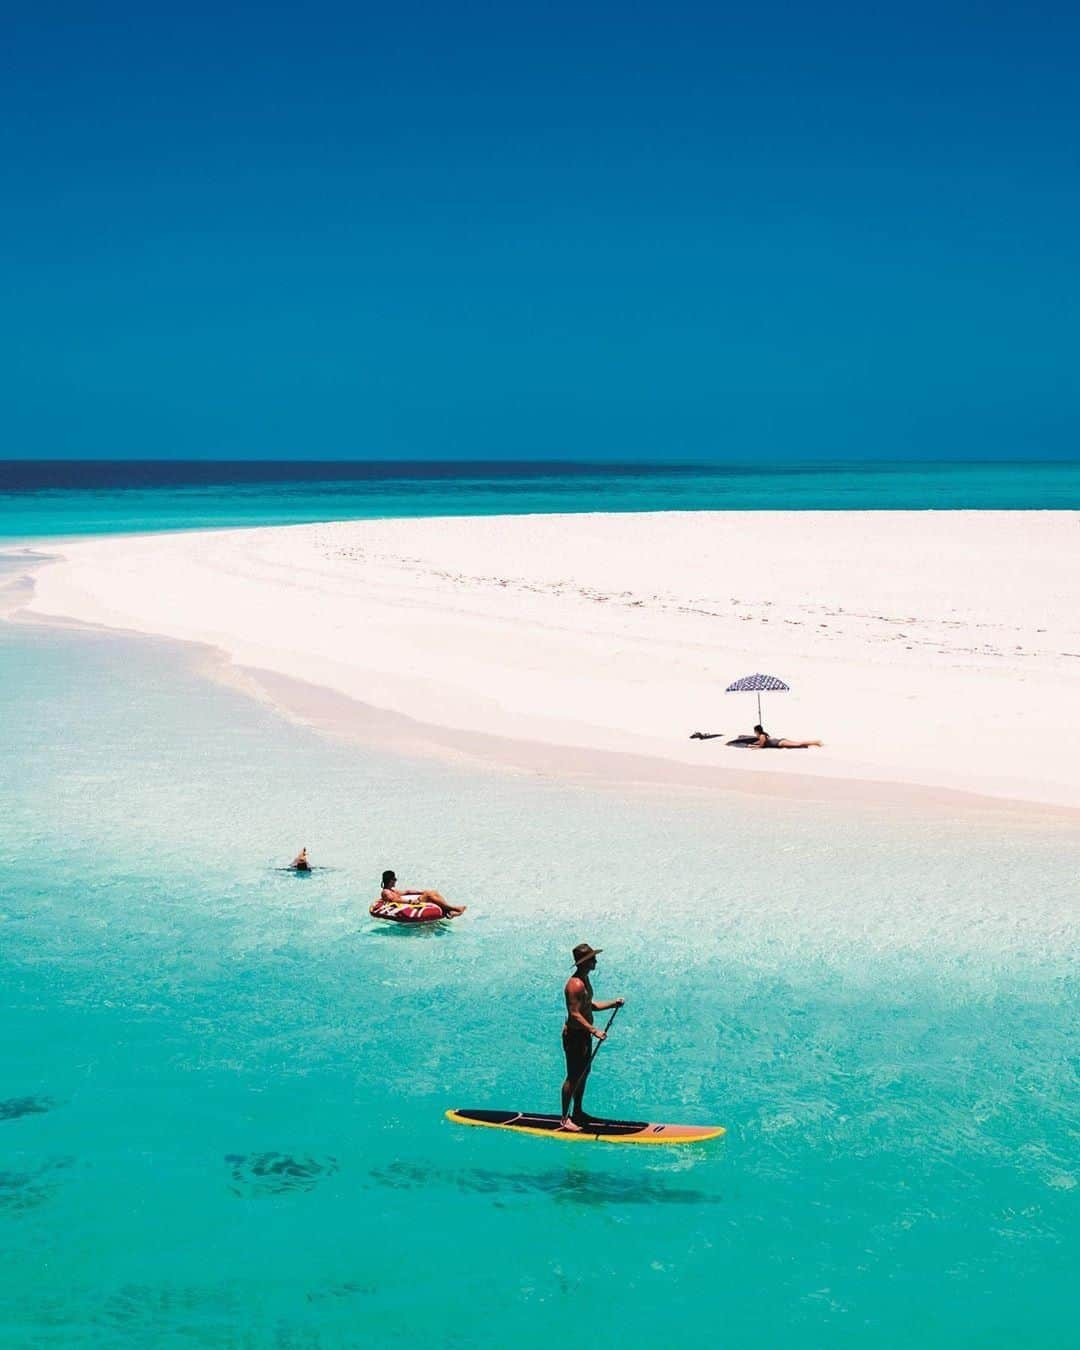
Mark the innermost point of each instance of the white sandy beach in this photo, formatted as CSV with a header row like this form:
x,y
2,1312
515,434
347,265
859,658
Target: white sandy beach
x,y
931,649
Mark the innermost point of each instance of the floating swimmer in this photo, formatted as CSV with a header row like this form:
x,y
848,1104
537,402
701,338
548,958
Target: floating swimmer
x,y
395,894
300,862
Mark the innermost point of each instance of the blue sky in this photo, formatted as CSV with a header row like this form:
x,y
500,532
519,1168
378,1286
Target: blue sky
x,y
477,230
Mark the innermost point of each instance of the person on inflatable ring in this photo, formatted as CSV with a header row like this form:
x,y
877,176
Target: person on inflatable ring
x,y
392,891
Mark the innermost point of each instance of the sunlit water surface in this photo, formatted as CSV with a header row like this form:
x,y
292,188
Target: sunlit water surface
x,y
224,1085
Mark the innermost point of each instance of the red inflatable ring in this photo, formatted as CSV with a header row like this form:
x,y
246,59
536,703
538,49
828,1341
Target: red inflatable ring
x,y
404,911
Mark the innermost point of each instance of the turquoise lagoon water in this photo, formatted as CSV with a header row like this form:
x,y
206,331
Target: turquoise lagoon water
x,y
224,1085
71,498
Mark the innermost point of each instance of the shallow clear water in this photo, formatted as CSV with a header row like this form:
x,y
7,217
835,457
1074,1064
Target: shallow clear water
x,y
50,498
225,1084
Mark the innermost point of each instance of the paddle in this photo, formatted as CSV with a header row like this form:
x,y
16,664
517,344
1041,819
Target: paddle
x,y
593,1053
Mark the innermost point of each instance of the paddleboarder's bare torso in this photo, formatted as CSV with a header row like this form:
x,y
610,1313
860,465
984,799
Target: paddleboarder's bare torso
x,y
579,1007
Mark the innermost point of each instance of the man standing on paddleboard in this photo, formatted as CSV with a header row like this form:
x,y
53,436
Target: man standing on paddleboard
x,y
578,1033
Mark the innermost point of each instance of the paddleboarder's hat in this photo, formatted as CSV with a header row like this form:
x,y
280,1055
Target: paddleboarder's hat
x,y
583,952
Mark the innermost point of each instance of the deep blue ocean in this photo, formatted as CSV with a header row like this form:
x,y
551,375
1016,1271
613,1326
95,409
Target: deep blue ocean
x,y
63,498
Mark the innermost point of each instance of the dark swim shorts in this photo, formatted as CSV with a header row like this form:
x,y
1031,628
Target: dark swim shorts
x,y
577,1048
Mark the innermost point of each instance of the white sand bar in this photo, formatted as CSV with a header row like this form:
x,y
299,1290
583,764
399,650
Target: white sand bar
x,y
932,648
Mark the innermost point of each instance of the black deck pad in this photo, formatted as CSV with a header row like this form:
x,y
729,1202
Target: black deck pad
x,y
528,1121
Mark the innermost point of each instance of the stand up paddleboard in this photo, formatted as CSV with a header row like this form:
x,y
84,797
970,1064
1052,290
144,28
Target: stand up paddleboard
x,y
597,1131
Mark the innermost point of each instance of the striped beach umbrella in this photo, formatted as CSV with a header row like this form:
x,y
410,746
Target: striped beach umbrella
x,y
754,684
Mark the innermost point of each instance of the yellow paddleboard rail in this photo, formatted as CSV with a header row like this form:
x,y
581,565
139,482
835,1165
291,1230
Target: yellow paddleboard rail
x,y
649,1133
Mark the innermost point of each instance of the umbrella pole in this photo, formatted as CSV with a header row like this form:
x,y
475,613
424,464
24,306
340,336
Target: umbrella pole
x,y
759,710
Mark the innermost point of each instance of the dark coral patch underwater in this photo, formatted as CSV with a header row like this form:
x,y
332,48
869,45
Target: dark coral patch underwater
x,y
20,1191
276,1173
11,1108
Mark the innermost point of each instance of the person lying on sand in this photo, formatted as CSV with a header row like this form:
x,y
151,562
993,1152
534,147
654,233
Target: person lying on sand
x,y
766,742
300,862
392,891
